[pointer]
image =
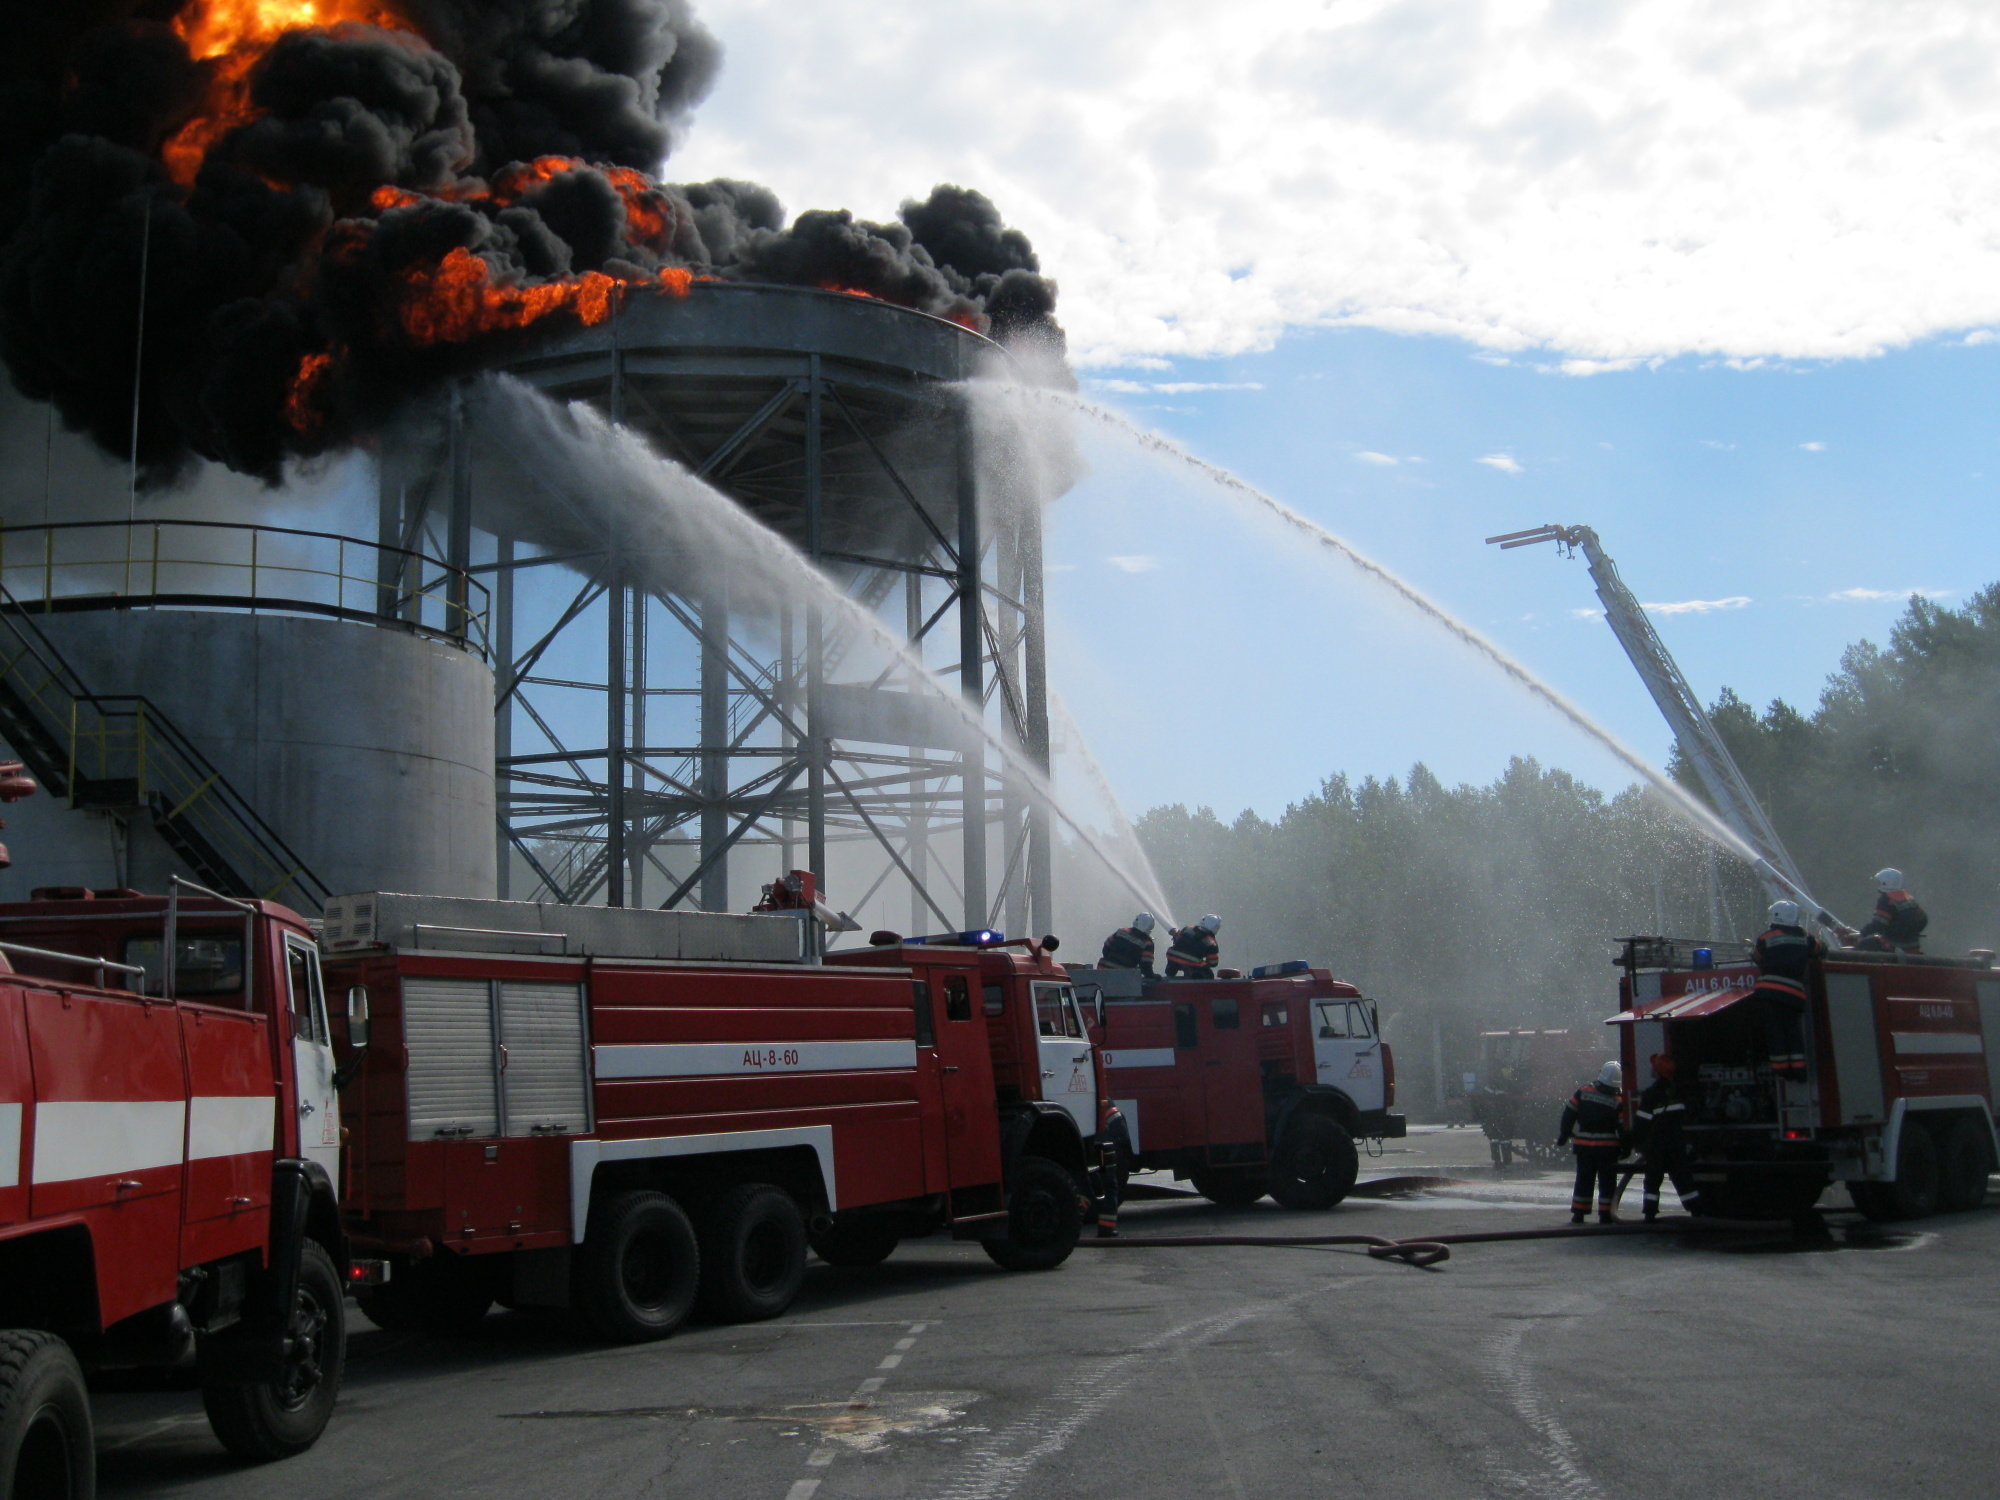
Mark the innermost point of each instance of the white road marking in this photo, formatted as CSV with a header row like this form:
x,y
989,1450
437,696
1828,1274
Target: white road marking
x,y
819,1458
869,1386
998,1466
890,1361
904,1343
802,1490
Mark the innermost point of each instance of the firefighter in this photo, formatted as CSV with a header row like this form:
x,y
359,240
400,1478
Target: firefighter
x,y
1661,1114
1898,921
1131,947
1192,952
1785,954
1590,1128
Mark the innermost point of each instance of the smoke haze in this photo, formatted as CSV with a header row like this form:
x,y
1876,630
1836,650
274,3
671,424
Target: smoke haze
x,y
330,218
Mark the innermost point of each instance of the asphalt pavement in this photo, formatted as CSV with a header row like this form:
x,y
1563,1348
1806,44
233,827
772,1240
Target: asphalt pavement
x,y
1860,1366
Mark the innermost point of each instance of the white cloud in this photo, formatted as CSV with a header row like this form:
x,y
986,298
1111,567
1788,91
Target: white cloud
x,y
1172,387
1143,562
1366,456
1697,606
1504,462
1813,447
1609,183
1876,596
1714,443
1586,614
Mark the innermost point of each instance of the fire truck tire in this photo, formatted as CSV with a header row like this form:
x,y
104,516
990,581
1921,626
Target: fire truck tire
x,y
1044,1217
857,1244
637,1269
1316,1164
46,1448
1967,1161
262,1420
1914,1193
753,1253
1231,1187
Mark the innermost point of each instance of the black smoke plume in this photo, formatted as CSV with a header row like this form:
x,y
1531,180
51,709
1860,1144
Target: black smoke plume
x,y
304,238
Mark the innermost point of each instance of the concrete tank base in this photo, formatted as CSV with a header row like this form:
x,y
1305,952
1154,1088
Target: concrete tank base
x,y
368,749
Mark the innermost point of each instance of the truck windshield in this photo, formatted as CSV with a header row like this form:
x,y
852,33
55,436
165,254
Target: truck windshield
x,y
205,964
1054,1015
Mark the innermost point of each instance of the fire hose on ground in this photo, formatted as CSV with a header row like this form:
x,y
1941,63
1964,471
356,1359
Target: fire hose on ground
x,y
1431,1250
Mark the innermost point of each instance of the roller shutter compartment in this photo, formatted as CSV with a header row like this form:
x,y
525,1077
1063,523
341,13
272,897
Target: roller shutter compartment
x,y
448,1032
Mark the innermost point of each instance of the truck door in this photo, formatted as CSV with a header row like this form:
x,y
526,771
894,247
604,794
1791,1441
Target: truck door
x,y
1346,1052
1232,1085
1068,1077
965,1067
312,1057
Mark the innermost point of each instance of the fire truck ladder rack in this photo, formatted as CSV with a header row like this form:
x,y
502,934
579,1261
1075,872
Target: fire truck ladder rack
x,y
121,755
1693,730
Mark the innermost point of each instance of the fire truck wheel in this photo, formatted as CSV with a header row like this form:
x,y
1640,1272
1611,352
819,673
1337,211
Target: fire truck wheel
x,y
637,1268
1914,1193
262,1420
1967,1160
1231,1187
857,1244
753,1253
1316,1164
1044,1217
46,1450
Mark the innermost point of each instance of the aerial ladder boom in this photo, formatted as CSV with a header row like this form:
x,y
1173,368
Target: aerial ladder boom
x,y
1693,730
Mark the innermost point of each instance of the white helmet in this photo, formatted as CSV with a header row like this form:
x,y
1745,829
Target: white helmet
x,y
1612,1074
1144,921
1888,880
1784,913
1210,924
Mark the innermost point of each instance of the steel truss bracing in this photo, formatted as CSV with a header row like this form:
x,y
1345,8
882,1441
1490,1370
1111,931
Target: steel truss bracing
x,y
655,738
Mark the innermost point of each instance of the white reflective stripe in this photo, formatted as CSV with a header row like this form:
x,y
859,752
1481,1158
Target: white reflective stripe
x,y
709,1059
1938,1041
584,1155
10,1145
92,1138
230,1125
1140,1057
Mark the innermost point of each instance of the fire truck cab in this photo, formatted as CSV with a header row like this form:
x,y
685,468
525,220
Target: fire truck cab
x,y
1897,1101
1245,1086
169,1165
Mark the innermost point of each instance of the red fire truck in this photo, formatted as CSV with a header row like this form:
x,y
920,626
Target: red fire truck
x,y
622,1112
1245,1086
169,1156
1897,1102
1524,1079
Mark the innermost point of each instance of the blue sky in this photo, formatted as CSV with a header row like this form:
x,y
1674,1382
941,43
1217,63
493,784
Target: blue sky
x,y
1401,228
1821,493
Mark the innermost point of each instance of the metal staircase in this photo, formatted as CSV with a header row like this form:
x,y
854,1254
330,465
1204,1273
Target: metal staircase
x,y
122,755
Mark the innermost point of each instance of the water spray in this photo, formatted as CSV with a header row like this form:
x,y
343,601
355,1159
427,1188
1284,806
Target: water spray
x,y
650,480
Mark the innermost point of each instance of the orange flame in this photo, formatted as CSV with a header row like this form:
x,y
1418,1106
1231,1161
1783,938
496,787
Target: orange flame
x,y
458,298
232,35
302,408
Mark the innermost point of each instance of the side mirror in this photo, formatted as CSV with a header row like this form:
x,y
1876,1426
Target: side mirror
x,y
357,1016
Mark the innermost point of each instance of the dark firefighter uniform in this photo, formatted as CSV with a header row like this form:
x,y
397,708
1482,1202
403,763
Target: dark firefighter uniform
x,y
1785,956
1193,953
1129,948
1898,923
1661,1116
1590,1128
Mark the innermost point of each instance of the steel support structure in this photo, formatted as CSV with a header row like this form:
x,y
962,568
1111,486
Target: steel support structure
x,y
739,739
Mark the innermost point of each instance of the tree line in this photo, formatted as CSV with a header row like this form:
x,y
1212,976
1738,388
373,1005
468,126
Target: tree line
x,y
1466,907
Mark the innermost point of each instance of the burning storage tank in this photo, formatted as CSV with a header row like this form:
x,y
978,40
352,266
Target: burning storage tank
x,y
250,233
702,711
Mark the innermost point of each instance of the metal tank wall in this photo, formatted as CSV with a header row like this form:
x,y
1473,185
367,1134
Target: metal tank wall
x,y
369,750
